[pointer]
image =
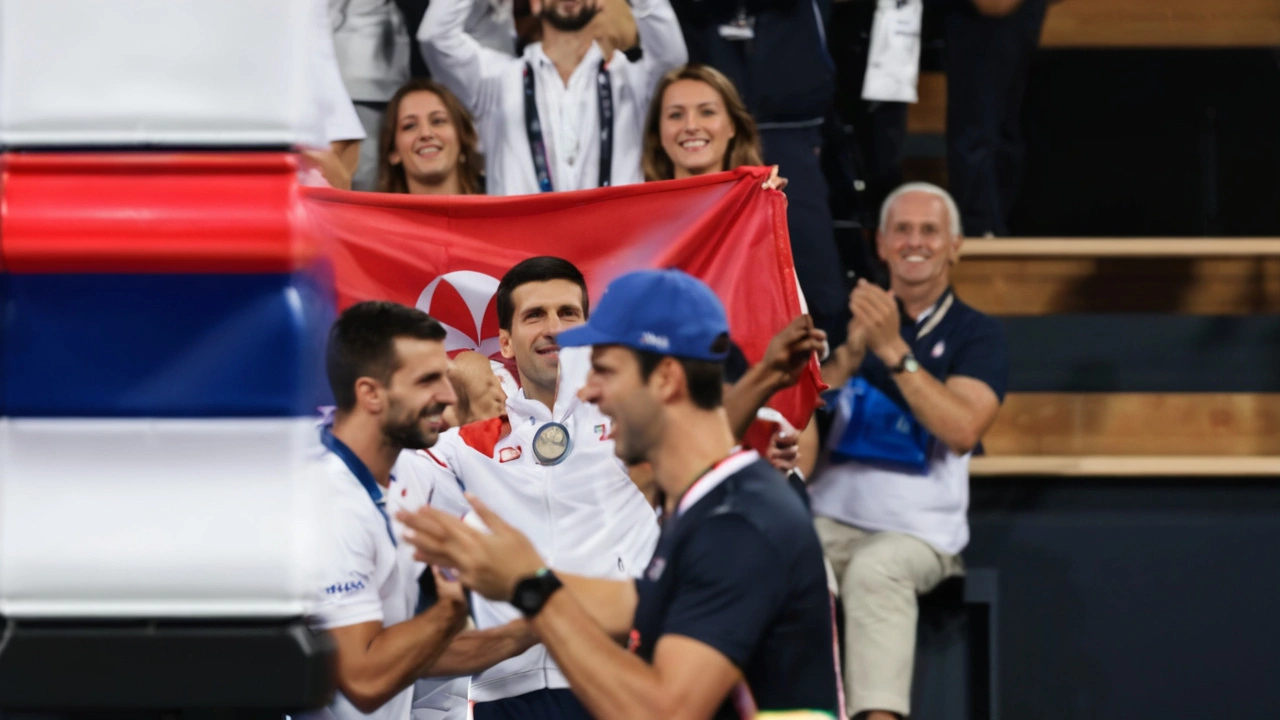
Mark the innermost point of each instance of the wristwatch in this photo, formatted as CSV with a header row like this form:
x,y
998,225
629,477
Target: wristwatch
x,y
908,363
534,591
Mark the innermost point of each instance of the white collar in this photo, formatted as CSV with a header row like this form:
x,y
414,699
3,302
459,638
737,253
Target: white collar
x,y
942,300
925,315
932,317
534,55
574,365
520,406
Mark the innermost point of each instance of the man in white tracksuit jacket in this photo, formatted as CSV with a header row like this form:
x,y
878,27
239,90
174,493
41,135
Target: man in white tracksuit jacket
x,y
548,467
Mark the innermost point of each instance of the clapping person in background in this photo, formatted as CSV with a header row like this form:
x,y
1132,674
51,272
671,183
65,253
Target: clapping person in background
x,y
922,376
428,144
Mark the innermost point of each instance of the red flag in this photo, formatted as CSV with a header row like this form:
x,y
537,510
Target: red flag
x,y
446,254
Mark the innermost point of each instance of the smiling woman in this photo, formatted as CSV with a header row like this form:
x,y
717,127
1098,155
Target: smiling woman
x,y
697,124
428,144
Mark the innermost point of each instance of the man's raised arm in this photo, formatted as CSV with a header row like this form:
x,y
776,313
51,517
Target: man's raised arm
x,y
458,60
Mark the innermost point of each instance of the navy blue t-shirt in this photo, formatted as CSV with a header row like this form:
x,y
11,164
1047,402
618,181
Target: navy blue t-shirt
x,y
741,570
954,340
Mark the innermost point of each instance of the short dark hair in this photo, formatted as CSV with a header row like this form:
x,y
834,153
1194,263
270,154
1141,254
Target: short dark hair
x,y
736,364
362,344
705,378
536,269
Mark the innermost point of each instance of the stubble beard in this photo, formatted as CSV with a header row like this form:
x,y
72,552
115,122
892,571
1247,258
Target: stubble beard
x,y
409,435
569,23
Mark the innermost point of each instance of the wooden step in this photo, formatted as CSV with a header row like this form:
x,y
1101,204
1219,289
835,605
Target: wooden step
x,y
1136,424
1161,466
929,114
1128,433
1225,276
1162,24
1122,247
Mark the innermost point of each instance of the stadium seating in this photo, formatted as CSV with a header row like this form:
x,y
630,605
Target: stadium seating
x,y
1104,24
1162,23
956,675
1185,420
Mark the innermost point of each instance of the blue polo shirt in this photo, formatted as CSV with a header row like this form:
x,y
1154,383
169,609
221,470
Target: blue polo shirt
x,y
739,568
949,339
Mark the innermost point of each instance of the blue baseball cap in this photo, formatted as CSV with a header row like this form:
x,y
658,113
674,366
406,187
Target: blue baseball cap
x,y
667,312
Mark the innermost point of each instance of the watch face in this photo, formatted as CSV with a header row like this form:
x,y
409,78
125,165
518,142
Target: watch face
x,y
532,592
910,364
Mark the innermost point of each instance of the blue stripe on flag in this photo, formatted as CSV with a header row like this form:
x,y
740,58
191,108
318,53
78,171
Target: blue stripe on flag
x,y
164,345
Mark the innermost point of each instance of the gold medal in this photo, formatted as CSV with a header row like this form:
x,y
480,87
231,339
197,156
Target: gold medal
x,y
551,443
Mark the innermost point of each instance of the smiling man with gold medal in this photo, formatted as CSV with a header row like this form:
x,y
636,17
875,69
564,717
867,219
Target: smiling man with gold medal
x,y
549,467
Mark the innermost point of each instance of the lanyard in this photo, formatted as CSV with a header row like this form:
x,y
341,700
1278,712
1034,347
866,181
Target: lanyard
x,y
361,471
691,496
937,312
533,125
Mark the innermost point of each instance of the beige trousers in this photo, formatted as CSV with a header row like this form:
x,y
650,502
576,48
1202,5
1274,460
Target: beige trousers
x,y
880,574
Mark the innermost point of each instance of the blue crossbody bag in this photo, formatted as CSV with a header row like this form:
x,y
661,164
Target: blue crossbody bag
x,y
879,432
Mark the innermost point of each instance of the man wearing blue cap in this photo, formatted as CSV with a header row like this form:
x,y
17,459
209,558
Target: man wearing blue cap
x,y
732,616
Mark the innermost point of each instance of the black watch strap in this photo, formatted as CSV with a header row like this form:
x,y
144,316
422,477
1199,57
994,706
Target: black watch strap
x,y
532,593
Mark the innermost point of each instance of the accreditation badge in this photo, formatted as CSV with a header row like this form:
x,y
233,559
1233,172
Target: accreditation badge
x,y
551,443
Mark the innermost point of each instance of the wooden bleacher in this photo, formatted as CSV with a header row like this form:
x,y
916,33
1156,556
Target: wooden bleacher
x,y
1162,24
1123,434
1168,434
1226,276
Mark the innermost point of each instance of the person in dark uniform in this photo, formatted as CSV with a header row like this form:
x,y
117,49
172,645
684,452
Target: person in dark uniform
x,y
988,65
988,47
732,617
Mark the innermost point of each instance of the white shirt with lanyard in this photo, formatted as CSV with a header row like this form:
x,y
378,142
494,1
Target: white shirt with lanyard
x,y
367,576
541,133
573,130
